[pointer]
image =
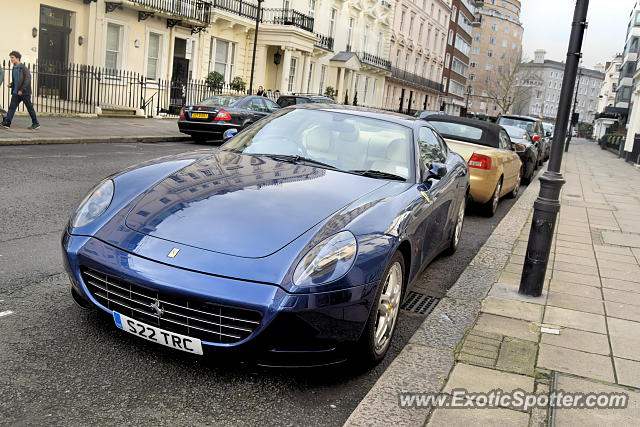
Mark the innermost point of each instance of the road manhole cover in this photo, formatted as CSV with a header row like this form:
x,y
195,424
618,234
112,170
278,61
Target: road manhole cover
x,y
419,303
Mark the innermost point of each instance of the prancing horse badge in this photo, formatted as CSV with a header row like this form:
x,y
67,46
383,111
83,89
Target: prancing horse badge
x,y
173,253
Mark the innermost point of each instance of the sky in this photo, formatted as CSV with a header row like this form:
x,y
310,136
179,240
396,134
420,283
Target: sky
x,y
547,24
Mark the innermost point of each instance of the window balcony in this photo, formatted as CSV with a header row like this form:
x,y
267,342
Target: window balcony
x,y
193,10
373,60
287,17
324,42
407,77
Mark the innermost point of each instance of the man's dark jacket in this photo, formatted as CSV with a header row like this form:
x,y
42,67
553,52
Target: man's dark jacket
x,y
24,80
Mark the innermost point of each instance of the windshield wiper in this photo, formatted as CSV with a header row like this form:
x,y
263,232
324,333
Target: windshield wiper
x,y
297,159
378,174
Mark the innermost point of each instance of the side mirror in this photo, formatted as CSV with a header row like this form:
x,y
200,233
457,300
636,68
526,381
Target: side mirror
x,y
228,134
548,134
437,171
518,148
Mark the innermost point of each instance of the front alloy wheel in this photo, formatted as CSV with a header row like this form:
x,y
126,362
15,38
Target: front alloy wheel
x,y
378,332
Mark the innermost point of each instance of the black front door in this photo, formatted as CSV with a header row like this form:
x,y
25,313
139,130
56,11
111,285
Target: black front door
x,y
179,76
53,52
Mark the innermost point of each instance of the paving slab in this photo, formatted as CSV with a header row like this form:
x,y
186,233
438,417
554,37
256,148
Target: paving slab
x,y
575,302
575,319
625,339
612,249
507,326
596,417
576,278
576,339
622,285
476,379
511,308
576,362
576,289
447,324
623,311
517,356
446,417
621,239
624,297
473,283
510,291
628,371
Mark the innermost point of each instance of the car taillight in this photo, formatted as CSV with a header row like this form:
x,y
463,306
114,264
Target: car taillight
x,y
523,146
182,113
480,161
536,138
222,115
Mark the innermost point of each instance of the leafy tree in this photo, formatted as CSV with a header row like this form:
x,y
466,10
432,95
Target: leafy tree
x,y
330,92
238,84
214,81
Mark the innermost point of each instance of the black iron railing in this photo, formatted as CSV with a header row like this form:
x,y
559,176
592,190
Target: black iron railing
x,y
287,17
198,10
324,42
405,76
374,60
242,8
75,88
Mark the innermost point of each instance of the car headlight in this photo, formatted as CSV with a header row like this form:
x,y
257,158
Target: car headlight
x,y
94,205
327,261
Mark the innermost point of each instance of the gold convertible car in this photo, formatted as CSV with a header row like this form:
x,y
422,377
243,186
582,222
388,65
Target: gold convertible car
x,y
494,165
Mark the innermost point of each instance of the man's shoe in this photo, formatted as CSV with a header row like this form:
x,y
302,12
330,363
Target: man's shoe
x,y
34,127
5,125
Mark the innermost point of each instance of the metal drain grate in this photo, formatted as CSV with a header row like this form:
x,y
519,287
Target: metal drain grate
x,y
419,303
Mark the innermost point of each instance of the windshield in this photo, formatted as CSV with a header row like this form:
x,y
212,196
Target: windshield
x,y
343,141
458,130
519,123
219,101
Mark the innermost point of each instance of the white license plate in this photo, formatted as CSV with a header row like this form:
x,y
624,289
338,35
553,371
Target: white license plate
x,y
157,335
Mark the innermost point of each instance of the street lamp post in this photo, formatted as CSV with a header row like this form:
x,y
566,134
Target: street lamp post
x,y
547,204
573,113
255,44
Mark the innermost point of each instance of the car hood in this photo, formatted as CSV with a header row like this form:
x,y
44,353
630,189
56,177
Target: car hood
x,y
241,205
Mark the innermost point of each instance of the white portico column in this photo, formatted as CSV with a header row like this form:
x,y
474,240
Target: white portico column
x,y
339,83
306,60
286,66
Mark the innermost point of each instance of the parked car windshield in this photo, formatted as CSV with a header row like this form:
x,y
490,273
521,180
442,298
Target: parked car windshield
x,y
343,141
219,101
520,123
457,130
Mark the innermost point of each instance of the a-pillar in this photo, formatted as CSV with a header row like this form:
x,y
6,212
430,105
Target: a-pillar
x,y
286,66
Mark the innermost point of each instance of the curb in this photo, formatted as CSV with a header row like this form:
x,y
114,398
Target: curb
x,y
424,364
93,140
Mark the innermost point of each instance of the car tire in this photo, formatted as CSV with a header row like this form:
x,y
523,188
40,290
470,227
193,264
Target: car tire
x,y
457,229
526,180
374,342
491,206
514,193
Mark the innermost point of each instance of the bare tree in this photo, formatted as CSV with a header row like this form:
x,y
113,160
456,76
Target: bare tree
x,y
507,87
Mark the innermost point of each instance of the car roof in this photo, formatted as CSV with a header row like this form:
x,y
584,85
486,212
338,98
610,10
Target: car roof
x,y
490,130
519,117
389,116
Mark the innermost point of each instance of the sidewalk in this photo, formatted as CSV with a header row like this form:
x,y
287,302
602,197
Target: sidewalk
x,y
485,336
73,130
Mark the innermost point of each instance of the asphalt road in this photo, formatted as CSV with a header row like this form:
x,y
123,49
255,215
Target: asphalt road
x,y
62,365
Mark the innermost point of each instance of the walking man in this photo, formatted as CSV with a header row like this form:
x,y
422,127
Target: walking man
x,y
20,91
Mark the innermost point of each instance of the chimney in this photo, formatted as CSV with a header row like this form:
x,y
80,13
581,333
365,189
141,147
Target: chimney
x,y
539,56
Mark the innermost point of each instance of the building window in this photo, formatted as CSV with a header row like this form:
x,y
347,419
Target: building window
x,y
504,43
488,66
379,44
312,8
323,76
477,37
492,40
494,27
285,4
223,55
310,76
462,45
450,40
444,84
513,45
472,77
365,38
292,75
473,64
453,13
410,25
349,33
332,22
153,55
475,50
506,29
459,67
447,61
366,89
402,15
490,53
113,51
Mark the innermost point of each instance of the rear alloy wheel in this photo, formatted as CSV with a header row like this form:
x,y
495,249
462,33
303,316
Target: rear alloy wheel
x,y
514,193
457,230
491,206
381,324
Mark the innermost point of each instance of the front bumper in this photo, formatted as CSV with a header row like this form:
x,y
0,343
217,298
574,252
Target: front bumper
x,y
294,330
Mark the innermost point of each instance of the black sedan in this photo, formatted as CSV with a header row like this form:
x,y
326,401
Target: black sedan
x,y
211,117
529,156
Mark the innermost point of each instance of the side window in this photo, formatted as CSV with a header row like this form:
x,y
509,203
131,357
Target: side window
x,y
431,147
271,106
256,104
505,141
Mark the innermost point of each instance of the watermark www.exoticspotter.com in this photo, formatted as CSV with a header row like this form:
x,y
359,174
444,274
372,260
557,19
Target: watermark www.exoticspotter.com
x,y
516,399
